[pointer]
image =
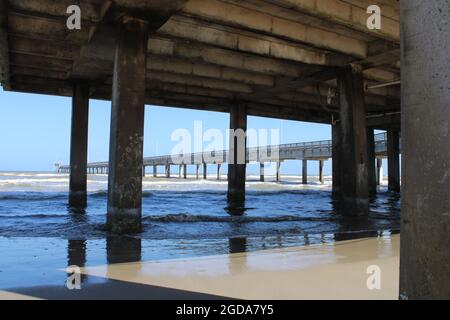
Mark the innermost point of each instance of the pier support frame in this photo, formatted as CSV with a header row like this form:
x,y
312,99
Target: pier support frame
x,y
155,171
237,162
184,171
355,190
393,151
261,171
425,223
79,146
127,127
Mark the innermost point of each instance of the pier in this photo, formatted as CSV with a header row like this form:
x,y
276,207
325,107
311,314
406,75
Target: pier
x,y
319,151
312,61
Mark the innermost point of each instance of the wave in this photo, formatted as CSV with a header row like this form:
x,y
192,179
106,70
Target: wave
x,y
33,196
34,216
241,219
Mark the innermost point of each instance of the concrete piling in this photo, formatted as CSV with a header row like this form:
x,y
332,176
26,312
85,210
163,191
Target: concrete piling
x,y
336,151
379,171
321,179
237,161
371,161
261,171
425,216
304,171
277,174
127,127
355,190
79,146
393,148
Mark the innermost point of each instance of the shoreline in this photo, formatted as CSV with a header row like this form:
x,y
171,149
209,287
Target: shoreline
x,y
325,271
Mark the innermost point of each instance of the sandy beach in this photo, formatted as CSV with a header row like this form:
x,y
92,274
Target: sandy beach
x,y
326,271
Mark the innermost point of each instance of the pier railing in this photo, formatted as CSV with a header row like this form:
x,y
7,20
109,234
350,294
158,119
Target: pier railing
x,y
313,150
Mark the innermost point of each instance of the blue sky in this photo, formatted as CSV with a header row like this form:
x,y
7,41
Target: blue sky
x,y
35,131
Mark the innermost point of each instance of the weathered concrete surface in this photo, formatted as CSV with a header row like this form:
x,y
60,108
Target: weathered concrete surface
x,y
237,162
355,190
336,140
393,151
268,54
127,128
79,146
425,225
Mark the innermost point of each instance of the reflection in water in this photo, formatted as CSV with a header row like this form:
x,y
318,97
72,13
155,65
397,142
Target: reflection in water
x,y
237,244
121,249
76,210
235,208
76,255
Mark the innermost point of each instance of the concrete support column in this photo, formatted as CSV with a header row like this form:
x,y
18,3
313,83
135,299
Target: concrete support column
x,y
393,148
304,171
127,127
180,171
371,161
336,150
205,171
197,171
79,146
355,190
155,171
425,221
167,170
143,171
237,155
219,171
321,180
379,171
261,171
184,171
278,171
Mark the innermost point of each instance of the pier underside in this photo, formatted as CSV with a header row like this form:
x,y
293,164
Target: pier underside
x,y
314,61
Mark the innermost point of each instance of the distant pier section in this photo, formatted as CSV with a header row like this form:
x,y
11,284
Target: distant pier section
x,y
305,151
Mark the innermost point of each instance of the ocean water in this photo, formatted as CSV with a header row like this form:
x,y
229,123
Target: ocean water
x,y
181,218
35,205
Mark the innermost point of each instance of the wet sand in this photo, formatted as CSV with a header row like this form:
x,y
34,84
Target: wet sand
x,y
327,271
